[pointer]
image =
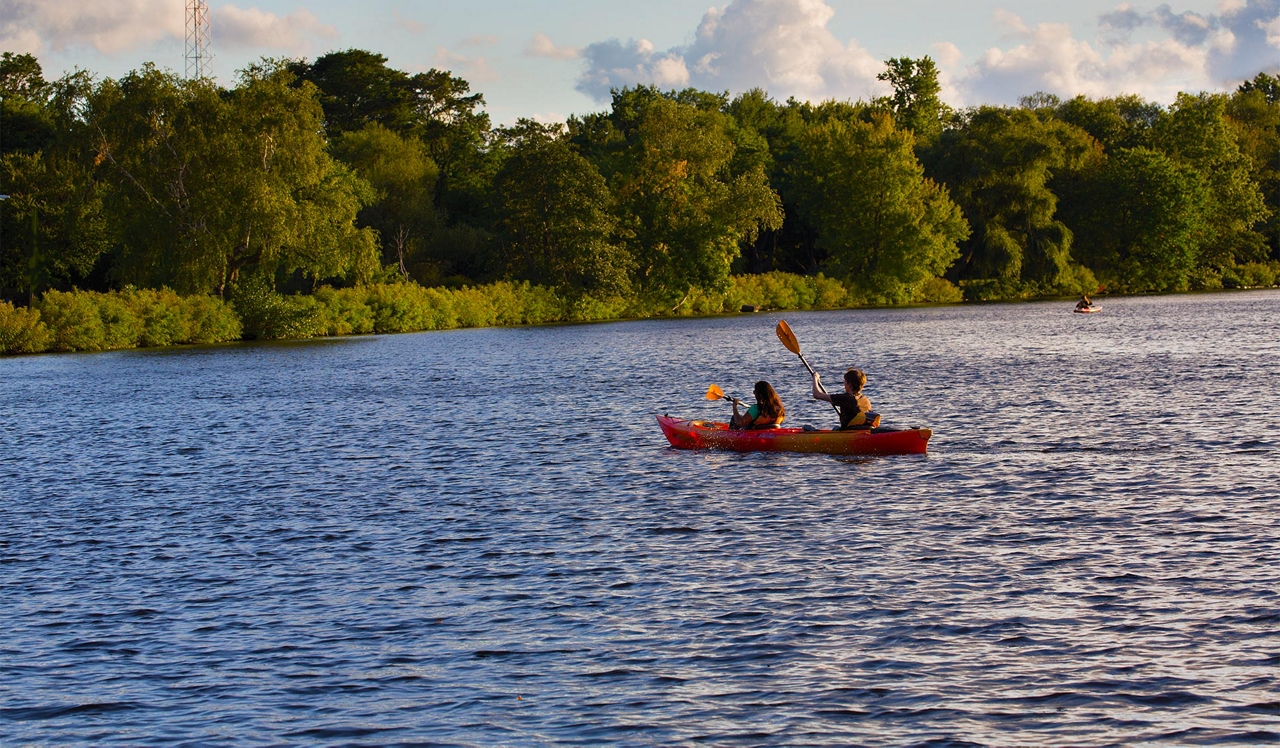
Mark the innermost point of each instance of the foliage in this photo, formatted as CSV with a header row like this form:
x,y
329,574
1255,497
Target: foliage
x,y
998,166
1140,221
682,207
91,321
403,178
915,102
206,186
885,227
1196,133
555,214
21,330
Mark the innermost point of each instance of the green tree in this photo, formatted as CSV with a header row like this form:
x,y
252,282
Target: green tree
x,y
915,102
1139,220
25,120
403,177
683,210
998,165
555,216
1118,122
207,185
1254,110
886,228
1195,132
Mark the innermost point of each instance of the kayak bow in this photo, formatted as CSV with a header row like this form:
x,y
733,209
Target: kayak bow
x,y
714,435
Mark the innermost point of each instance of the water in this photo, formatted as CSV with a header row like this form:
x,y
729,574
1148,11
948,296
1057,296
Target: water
x,y
481,538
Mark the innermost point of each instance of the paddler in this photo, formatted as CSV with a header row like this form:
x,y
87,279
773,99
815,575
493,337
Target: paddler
x,y
767,413
1084,302
853,406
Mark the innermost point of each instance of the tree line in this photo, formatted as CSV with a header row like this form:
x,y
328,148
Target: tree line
x,y
344,171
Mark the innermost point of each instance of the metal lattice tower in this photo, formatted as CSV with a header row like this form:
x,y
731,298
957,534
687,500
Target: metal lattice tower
x,y
199,56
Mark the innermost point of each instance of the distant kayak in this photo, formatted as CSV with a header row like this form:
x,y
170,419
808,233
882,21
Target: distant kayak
x,y
714,435
1088,309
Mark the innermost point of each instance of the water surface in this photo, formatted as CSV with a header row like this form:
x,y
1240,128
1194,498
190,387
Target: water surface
x,y
481,538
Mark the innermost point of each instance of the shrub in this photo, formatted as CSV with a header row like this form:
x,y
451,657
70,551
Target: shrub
x,y
1251,275
73,319
346,310
937,291
210,320
267,315
21,330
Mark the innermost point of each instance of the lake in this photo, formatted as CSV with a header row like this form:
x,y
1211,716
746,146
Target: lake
x,y
480,537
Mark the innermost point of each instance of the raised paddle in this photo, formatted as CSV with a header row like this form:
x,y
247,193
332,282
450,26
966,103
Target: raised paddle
x,y
792,343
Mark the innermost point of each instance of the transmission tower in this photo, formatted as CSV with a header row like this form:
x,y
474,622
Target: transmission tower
x,y
199,58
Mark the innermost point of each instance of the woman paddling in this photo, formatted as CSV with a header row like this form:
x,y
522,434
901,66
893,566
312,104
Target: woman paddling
x,y
765,414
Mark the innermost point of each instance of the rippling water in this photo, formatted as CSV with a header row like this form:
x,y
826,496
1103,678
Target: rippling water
x,y
481,537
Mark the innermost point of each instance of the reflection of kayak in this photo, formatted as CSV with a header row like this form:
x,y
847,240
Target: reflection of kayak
x,y
1088,309
714,435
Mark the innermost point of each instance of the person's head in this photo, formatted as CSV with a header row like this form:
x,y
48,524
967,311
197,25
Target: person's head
x,y
768,400
854,381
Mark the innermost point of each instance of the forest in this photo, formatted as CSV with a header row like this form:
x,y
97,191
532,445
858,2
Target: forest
x,y
342,195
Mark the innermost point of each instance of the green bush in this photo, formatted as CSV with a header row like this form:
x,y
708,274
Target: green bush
x,y
210,320
937,291
1251,275
21,330
267,315
164,321
73,319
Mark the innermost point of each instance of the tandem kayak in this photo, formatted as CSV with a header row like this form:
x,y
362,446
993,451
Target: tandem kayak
x,y
715,435
1088,309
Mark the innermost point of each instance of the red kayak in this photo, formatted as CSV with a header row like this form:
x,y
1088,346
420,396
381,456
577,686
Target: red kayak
x,y
1088,309
714,435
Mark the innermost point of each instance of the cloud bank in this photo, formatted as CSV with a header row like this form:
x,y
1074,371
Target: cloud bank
x,y
112,27
784,46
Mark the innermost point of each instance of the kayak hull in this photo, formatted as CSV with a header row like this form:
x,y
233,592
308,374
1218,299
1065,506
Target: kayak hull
x,y
1089,310
714,435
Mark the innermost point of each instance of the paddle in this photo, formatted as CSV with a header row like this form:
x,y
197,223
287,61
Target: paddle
x,y
715,393
792,343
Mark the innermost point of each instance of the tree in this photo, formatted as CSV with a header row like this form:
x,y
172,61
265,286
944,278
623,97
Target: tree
x,y
206,186
1118,122
684,210
25,120
1195,132
54,231
998,165
886,228
555,216
1254,111
403,178
915,102
1139,221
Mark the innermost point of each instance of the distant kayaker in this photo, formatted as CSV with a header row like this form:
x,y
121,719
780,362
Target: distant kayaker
x,y
765,414
854,407
1084,302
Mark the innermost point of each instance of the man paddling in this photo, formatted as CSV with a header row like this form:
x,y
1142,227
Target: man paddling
x,y
853,406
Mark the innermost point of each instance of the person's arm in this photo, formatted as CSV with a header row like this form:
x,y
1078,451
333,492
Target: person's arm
x,y
818,394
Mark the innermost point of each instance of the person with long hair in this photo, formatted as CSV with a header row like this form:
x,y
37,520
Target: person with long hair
x,y
767,413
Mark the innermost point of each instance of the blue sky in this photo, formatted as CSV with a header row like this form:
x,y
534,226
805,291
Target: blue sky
x,y
551,59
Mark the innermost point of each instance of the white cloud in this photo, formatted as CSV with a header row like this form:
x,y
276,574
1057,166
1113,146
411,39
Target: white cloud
x,y
474,69
115,26
252,28
1191,52
108,27
1049,58
782,46
542,46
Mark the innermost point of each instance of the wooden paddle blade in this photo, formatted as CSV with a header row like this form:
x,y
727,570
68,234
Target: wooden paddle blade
x,y
787,337
714,393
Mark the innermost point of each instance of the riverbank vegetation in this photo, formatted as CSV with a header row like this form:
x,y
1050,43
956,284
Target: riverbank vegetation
x,y
341,196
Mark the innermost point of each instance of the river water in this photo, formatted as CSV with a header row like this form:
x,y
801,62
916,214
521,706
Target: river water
x,y
481,538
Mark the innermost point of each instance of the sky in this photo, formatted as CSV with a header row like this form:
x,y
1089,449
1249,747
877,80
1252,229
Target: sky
x,y
548,60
